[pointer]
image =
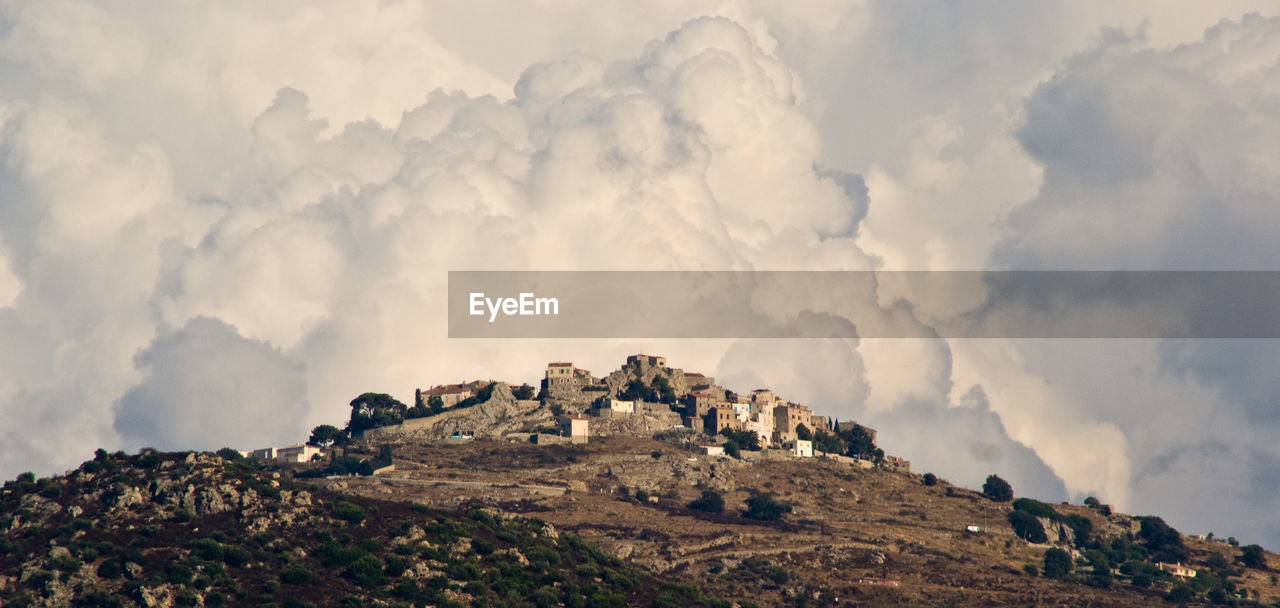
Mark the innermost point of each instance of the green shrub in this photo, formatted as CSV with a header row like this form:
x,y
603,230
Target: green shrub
x,y
763,507
1035,507
367,572
178,574
110,568
711,501
1057,563
296,574
348,512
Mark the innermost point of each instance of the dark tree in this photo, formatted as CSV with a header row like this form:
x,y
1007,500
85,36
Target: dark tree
x,y
1164,543
803,432
930,479
326,435
372,410
1253,556
1027,527
997,489
827,442
859,443
231,454
731,449
638,391
711,501
523,392
763,507
747,440
1057,563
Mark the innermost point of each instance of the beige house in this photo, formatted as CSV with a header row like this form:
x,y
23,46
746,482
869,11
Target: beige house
x,y
720,418
574,427
559,372
787,417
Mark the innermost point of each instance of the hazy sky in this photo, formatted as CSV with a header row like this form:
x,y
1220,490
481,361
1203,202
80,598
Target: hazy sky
x,y
219,222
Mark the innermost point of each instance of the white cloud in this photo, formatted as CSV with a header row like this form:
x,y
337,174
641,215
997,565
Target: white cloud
x,y
288,183
205,387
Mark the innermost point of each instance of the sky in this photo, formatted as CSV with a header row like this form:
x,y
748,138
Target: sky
x,y
219,222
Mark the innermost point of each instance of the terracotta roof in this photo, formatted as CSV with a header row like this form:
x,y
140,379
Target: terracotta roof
x,y
703,395
695,374
560,364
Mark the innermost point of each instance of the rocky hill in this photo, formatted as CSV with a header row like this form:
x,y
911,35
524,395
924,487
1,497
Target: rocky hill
x,y
619,521
198,530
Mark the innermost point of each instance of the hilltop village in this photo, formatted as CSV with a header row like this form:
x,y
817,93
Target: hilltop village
x,y
645,397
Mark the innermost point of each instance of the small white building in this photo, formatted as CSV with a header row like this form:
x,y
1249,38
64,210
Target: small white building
x,y
296,453
710,449
800,447
613,408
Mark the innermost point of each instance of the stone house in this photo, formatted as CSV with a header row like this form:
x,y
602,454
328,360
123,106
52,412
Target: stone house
x,y
698,404
451,394
720,418
787,417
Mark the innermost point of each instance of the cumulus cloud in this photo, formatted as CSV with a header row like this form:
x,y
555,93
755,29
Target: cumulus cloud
x,y
191,195
205,387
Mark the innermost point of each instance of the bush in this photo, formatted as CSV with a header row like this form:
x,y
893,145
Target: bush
x,y
177,574
997,489
1057,563
349,512
1253,556
930,479
367,572
1035,507
110,568
763,507
295,575
711,501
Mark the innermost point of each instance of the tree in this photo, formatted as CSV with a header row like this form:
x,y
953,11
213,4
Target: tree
x,y
731,449
711,501
763,507
1164,543
666,394
524,392
231,454
635,390
371,410
997,489
1027,527
435,404
1057,563
747,440
859,443
803,432
1253,556
930,479
827,442
326,435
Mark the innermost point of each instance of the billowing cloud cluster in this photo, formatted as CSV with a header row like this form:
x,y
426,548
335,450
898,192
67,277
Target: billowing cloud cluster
x,y
220,223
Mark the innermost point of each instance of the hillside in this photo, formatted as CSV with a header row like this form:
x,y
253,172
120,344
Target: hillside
x,y
197,530
853,537
492,523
